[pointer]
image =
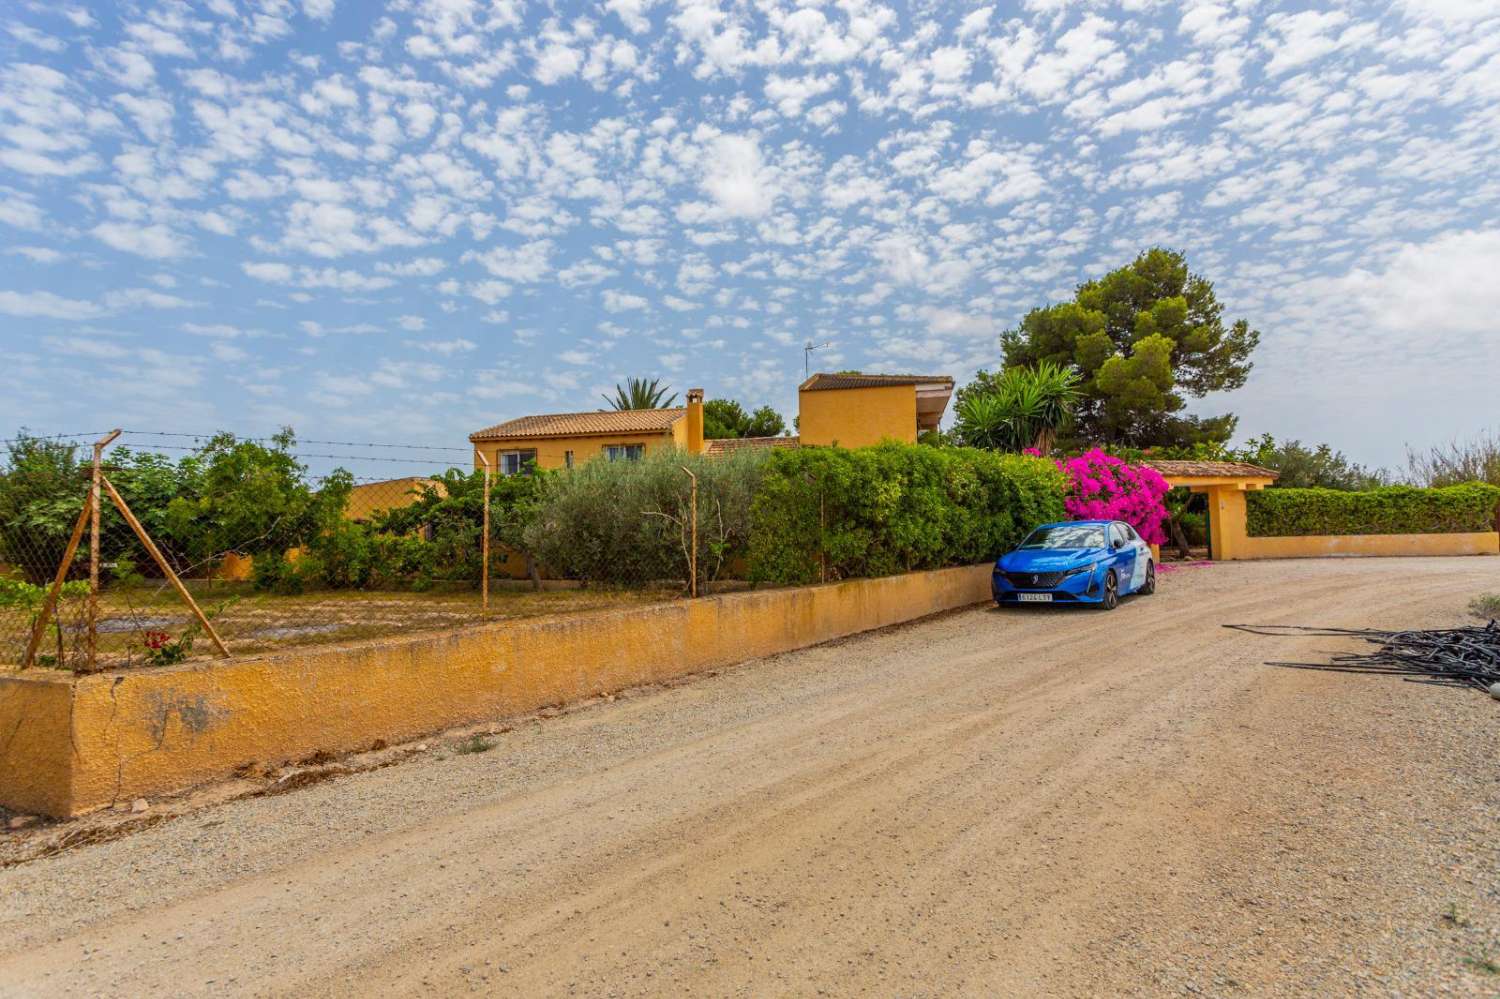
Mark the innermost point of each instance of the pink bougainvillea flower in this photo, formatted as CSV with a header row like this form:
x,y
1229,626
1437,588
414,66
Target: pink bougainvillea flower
x,y
1104,487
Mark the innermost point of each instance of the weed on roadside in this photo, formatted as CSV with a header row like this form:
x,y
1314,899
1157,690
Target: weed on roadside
x,y
1482,962
474,744
1486,605
1455,917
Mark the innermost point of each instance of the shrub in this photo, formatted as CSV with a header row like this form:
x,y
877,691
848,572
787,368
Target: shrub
x,y
1476,460
1104,487
628,522
1390,510
836,514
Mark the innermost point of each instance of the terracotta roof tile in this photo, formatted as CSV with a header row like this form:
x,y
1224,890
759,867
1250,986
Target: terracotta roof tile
x,y
1223,469
729,445
823,380
608,421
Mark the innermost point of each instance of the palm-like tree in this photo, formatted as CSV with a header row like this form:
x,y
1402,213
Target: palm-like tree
x,y
1026,408
638,393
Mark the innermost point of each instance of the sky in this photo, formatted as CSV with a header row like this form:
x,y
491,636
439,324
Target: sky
x,y
404,222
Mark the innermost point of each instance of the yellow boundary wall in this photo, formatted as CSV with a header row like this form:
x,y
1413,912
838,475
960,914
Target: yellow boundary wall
x,y
1321,545
69,745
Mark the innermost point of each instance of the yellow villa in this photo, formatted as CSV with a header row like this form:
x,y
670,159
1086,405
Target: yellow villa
x,y
846,410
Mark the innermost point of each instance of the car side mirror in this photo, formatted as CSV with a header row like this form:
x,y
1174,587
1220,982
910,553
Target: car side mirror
x,y
1118,544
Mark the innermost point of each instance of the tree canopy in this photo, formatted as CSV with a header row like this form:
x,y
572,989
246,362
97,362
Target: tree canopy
x,y
1143,338
727,418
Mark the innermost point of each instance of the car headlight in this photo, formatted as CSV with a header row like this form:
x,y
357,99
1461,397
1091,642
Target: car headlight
x,y
1081,570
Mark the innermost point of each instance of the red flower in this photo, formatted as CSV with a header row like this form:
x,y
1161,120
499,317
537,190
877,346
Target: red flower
x,y
156,639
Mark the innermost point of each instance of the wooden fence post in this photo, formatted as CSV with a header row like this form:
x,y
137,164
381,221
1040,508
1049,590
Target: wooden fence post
x,y
166,568
484,542
93,634
693,534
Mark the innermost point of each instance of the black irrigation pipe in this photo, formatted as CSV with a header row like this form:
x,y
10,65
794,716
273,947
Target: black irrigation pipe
x,y
1466,657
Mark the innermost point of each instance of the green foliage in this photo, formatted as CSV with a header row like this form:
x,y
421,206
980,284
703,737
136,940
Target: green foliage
x,y
41,493
1486,605
1388,510
725,418
628,521
1303,467
1020,408
1476,460
638,393
1142,337
836,514
255,499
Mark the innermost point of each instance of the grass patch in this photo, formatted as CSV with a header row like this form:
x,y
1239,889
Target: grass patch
x,y
1483,963
1486,605
474,744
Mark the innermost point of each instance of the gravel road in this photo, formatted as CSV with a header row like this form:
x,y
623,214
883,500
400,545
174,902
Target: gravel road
x,y
1020,802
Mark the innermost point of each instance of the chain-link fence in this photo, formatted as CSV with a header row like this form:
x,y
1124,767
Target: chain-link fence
x,y
223,545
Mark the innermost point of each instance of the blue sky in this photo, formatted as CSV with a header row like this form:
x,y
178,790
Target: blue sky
x,y
405,222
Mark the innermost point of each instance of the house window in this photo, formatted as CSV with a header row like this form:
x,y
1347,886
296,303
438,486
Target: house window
x,y
624,452
516,462
567,459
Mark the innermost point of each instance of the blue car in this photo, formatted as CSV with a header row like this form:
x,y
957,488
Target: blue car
x,y
1076,562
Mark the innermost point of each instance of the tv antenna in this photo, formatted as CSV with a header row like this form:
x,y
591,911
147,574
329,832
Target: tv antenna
x,y
807,350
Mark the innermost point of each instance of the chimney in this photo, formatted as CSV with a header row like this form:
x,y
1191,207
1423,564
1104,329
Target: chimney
x,y
695,421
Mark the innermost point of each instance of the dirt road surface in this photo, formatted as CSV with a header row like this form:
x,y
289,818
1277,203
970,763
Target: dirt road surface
x,y
988,803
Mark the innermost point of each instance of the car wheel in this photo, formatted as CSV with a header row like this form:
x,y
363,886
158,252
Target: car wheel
x,y
1149,586
1111,598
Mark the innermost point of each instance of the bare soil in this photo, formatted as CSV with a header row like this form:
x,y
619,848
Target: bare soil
x,y
1022,802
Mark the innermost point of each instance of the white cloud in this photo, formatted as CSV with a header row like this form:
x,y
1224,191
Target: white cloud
x,y
620,301
155,241
737,179
45,304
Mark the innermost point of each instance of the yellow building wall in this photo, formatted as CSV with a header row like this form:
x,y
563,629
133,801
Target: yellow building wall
x,y
551,452
858,417
367,498
157,731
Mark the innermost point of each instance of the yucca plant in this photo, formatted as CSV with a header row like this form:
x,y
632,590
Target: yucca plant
x,y
638,393
1026,408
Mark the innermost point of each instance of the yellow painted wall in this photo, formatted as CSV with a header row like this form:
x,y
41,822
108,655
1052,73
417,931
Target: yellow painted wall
x,y
1315,546
155,731
1230,540
36,755
857,417
551,451
367,498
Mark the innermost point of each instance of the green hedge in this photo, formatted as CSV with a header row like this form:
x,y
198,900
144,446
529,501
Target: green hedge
x,y
1276,513
894,508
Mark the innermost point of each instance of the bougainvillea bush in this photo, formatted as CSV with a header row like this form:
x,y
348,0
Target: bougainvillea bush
x,y
1103,487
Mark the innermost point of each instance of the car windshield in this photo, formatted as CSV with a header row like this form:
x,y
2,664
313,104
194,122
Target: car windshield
x,y
1066,536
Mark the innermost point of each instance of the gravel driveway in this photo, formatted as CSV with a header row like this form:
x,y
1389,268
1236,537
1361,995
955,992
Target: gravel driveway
x,y
1017,802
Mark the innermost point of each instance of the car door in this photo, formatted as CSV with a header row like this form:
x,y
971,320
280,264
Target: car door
x,y
1142,557
1124,558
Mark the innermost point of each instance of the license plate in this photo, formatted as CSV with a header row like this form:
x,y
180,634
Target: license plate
x,y
1034,598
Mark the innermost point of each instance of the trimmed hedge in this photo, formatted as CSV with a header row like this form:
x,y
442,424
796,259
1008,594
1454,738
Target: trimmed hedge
x,y
1277,513
894,508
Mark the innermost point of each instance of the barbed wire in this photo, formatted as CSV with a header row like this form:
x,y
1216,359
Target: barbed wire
x,y
322,443
79,437
414,460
